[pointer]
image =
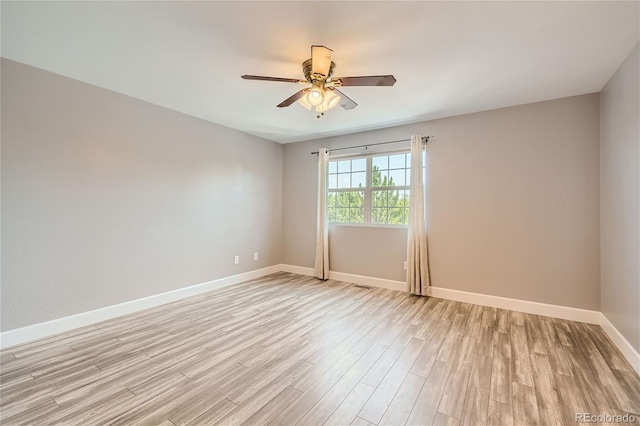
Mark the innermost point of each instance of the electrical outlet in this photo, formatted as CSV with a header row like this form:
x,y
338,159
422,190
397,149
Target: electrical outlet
x,y
255,255
405,265
236,260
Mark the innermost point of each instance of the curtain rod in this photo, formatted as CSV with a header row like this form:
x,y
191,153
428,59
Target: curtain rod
x,y
424,138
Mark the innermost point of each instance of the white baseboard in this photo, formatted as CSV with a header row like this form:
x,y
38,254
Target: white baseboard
x,y
623,344
369,281
293,269
537,308
351,278
556,311
49,328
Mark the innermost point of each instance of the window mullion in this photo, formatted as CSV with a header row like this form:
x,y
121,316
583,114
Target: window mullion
x,y
367,193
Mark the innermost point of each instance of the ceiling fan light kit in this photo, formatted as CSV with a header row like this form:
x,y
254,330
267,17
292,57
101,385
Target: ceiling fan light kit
x,y
329,99
323,94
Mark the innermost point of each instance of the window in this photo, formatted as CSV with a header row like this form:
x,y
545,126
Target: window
x,y
370,190
347,183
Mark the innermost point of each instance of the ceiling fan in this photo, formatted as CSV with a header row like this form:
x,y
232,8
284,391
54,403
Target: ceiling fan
x,y
322,94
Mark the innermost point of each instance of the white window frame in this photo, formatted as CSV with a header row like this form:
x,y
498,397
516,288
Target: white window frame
x,y
368,189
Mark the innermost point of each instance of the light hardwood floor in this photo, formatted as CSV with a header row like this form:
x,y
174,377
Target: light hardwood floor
x,y
289,349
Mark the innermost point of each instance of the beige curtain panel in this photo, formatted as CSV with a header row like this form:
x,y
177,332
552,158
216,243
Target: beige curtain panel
x,y
417,254
321,267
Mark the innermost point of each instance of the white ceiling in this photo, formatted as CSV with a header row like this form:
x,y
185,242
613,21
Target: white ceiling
x,y
449,58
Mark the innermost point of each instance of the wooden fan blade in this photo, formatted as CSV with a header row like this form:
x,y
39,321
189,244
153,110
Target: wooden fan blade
x,y
369,80
292,99
320,60
262,78
345,101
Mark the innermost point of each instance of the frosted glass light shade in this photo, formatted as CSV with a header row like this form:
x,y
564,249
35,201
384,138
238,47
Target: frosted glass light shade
x,y
331,99
315,96
304,102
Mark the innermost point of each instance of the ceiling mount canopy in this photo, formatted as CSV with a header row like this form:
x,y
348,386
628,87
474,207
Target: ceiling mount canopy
x,y
322,95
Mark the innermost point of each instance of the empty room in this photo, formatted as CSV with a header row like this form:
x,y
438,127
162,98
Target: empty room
x,y
320,213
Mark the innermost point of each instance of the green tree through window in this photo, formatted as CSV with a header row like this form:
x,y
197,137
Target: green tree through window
x,y
388,206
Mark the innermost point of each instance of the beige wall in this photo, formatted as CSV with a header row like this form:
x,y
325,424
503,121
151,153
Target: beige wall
x,y
106,198
513,204
620,199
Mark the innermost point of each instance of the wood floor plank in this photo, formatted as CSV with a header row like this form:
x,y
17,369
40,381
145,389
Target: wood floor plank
x,y
535,339
518,318
388,359
326,364
489,317
23,381
630,382
263,394
500,414
6,357
425,315
585,381
558,359
549,334
426,406
274,407
614,359
27,416
214,414
361,422
571,397
281,370
525,405
287,349
450,310
550,408
563,330
520,356
317,390
188,406
613,391
141,407
371,337
476,408
487,340
323,409
455,392
83,413
503,320
451,343
444,420
474,321
501,370
39,393
348,410
399,409
386,390
422,366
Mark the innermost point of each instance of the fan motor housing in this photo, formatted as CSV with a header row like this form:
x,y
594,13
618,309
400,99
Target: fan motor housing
x,y
306,69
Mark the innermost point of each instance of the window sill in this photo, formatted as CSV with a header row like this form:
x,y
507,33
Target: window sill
x,y
368,225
